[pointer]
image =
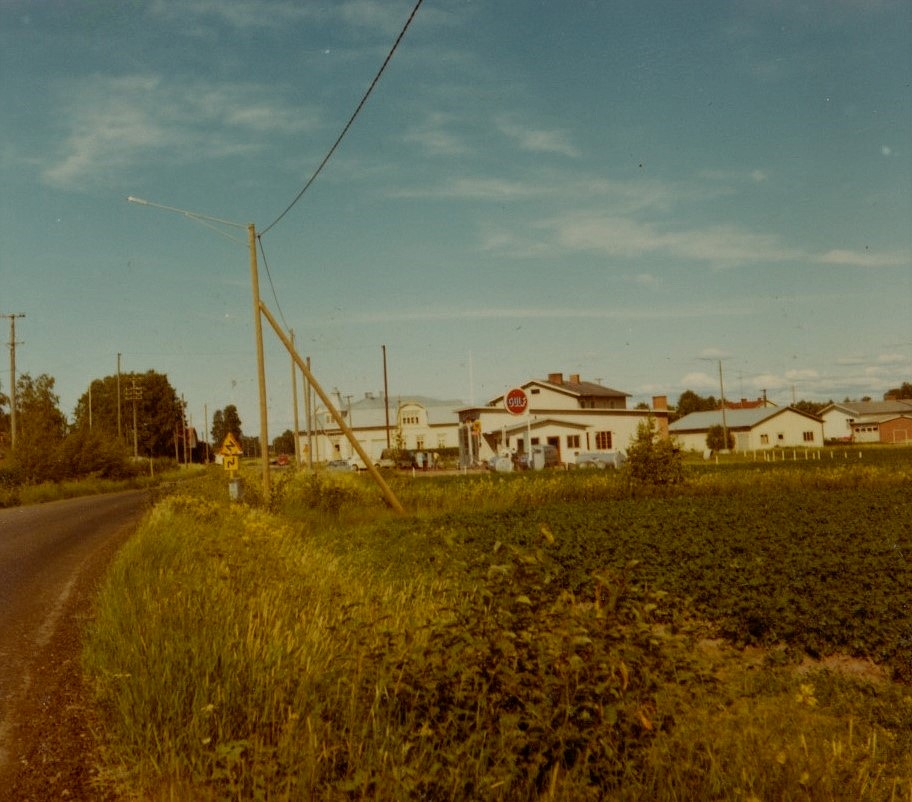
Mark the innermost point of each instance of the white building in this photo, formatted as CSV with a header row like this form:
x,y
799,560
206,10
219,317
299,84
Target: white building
x,y
570,414
860,421
414,422
753,429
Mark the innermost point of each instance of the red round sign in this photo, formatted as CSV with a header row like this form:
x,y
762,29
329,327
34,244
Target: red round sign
x,y
516,401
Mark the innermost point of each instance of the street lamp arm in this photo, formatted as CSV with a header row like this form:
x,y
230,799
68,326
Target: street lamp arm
x,y
185,212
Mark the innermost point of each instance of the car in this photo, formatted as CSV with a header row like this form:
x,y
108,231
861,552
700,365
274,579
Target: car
x,y
600,459
340,465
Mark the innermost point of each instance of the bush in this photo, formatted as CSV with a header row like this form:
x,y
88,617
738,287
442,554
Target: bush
x,y
653,459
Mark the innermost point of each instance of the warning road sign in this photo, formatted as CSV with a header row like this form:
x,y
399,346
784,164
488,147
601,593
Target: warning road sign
x,y
230,447
230,464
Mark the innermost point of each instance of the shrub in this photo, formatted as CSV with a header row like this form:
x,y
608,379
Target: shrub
x,y
653,459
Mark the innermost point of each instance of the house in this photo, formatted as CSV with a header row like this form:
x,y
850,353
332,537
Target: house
x,y
861,421
754,429
568,413
415,422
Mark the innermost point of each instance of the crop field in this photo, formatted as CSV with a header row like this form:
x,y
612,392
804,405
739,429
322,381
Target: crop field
x,y
746,636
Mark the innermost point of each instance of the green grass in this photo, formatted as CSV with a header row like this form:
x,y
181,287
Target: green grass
x,y
500,643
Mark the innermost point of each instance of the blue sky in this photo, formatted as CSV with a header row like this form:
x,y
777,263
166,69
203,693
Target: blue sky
x,y
630,191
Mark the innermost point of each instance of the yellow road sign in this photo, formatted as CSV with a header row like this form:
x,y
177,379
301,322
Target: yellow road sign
x,y
230,463
230,447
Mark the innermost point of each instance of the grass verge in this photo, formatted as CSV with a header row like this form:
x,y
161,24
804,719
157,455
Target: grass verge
x,y
333,652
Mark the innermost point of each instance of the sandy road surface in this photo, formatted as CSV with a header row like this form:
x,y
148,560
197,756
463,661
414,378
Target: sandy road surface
x,y
52,557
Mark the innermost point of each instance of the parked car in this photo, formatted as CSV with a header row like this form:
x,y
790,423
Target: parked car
x,y
340,465
600,459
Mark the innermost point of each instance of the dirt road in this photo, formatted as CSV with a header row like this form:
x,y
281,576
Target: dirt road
x,y
52,557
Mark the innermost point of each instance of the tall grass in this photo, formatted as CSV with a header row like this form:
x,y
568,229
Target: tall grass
x,y
241,654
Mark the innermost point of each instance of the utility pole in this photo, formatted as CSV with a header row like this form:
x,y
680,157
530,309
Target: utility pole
x,y
12,347
134,394
722,394
294,401
386,404
118,397
309,418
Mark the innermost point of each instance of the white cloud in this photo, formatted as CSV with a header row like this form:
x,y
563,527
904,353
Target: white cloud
x,y
114,124
537,140
864,258
624,236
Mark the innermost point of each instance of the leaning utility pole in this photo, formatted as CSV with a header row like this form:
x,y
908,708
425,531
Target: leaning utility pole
x,y
12,347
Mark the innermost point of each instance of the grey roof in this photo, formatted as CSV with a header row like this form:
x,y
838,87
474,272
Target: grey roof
x,y
734,418
864,408
369,412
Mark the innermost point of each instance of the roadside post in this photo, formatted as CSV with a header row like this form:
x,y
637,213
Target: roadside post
x,y
516,402
231,457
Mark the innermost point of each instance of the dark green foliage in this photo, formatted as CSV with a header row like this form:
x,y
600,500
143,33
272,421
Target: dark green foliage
x,y
716,439
653,459
158,410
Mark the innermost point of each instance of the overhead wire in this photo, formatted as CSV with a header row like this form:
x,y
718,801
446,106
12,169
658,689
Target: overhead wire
x,y
351,120
272,285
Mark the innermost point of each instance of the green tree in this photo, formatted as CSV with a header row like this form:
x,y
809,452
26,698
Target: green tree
x,y
40,428
284,443
653,459
225,421
159,412
689,402
810,407
716,437
902,392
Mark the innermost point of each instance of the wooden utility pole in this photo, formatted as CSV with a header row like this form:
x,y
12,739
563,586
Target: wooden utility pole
x,y
294,401
12,396
261,369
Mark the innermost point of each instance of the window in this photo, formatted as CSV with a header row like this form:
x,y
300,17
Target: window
x,y
419,443
441,441
780,437
534,441
764,439
808,437
573,441
603,440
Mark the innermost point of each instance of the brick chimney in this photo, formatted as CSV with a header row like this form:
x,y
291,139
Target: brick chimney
x,y
574,378
660,404
556,378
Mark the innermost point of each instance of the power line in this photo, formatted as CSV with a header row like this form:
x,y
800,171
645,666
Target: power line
x,y
271,285
351,119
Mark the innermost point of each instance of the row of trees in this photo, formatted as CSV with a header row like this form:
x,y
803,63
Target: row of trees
x,y
101,438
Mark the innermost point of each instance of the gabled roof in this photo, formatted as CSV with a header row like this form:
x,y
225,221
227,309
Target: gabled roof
x,y
863,408
370,412
734,418
541,424
577,389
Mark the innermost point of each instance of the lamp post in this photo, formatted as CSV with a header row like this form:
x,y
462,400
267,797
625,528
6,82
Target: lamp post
x,y
258,322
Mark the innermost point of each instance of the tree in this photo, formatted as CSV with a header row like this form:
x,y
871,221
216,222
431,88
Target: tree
x,y
40,428
654,459
159,412
225,421
899,393
284,443
810,407
715,439
689,402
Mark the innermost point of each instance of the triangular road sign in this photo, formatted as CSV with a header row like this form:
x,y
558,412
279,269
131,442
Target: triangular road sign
x,y
230,446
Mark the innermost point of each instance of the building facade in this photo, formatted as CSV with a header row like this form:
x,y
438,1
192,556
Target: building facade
x,y
419,423
573,415
755,429
866,421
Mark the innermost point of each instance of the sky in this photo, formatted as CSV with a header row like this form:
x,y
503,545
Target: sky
x,y
639,192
